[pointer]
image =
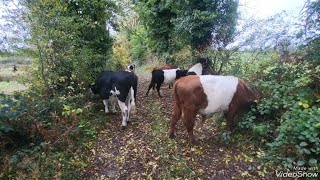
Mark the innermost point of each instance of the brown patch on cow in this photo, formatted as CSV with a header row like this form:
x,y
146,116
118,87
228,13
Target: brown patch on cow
x,y
189,98
241,102
165,67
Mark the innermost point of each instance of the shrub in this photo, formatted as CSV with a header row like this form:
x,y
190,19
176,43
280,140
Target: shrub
x,y
287,115
39,136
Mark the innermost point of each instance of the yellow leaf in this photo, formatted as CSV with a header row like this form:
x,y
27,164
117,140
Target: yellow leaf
x,y
200,171
305,106
227,161
135,150
93,151
244,173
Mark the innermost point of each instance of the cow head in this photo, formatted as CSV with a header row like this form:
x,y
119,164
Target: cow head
x,y
132,67
204,62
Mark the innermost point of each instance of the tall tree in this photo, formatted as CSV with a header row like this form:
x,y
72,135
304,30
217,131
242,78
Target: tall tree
x,y
194,23
71,40
312,27
157,16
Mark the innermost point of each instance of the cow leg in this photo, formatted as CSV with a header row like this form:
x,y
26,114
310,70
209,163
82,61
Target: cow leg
x,y
124,111
129,107
150,86
114,107
229,116
176,114
131,103
113,104
105,102
189,121
129,110
158,89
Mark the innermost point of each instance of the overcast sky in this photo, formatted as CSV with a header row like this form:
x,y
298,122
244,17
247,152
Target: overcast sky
x,y
267,8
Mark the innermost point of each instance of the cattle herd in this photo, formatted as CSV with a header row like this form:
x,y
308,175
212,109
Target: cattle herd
x,y
195,91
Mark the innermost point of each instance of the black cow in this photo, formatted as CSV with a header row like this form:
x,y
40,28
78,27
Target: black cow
x,y
122,85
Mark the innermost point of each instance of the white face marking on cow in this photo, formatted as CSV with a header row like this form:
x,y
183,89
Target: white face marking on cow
x,y
169,75
197,68
219,91
106,109
124,111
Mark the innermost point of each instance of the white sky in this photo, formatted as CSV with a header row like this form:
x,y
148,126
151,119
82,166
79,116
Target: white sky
x,y
267,8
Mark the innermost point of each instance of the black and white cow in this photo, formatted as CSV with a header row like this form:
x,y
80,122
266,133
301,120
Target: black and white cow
x,y
167,76
121,85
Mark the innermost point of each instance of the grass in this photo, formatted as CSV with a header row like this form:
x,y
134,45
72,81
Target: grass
x,y
9,81
15,60
8,87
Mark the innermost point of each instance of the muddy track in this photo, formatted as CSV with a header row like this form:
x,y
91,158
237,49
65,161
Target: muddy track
x,y
134,154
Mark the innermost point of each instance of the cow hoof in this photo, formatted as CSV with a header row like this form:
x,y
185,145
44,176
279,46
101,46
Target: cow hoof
x,y
128,122
171,136
123,127
193,142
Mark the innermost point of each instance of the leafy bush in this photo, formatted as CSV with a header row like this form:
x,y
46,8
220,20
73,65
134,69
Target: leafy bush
x,y
287,115
298,138
43,134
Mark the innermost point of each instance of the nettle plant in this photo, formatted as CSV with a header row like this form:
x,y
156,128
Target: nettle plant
x,y
288,115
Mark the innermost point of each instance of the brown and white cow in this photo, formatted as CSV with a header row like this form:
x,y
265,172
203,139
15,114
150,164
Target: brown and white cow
x,y
209,94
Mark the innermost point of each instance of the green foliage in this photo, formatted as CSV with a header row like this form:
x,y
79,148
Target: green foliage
x,y
288,113
71,40
157,16
39,137
139,44
298,137
172,25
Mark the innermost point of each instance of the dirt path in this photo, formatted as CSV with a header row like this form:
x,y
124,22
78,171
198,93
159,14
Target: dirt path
x,y
144,151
